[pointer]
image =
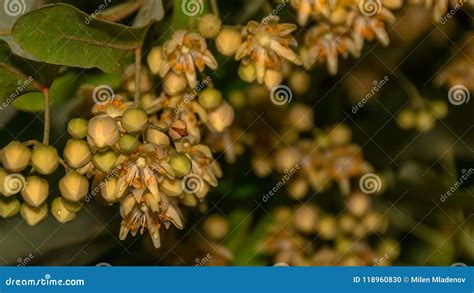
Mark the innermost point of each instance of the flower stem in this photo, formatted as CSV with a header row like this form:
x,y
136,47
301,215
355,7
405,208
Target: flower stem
x,y
47,118
138,70
215,8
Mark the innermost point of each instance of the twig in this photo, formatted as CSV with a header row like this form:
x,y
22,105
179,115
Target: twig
x,y
138,71
47,122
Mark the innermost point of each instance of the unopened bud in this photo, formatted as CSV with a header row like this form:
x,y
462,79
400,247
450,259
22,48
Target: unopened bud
x,y
327,228
221,118
301,117
216,227
73,186
439,108
77,153
104,161
392,4
33,215
15,156
155,59
171,187
9,207
306,219
272,78
210,98
60,212
36,191
77,128
181,165
108,189
340,134
152,201
128,144
127,206
299,82
407,119
425,121
157,137
286,159
228,41
174,84
135,120
247,72
103,131
209,25
44,159
178,130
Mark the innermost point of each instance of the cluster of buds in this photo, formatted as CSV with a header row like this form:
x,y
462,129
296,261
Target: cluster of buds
x,y
18,159
342,27
308,235
422,117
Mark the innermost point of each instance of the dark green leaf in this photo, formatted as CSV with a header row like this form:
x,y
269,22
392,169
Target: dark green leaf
x,y
65,35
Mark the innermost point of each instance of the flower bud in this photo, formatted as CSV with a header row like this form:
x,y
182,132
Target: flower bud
x,y
77,153
3,176
44,159
406,119
247,72
33,215
152,201
327,228
77,128
209,25
73,186
135,120
216,227
171,187
108,187
178,130
439,108
181,165
127,206
301,117
72,206
340,134
210,98
286,159
392,4
298,188
128,144
272,78
15,156
228,41
425,121
104,161
103,131
155,59
221,118
306,219
299,82
157,137
60,212
359,204
174,84
237,99
9,207
36,191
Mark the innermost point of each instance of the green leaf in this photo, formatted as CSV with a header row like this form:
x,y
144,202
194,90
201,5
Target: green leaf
x,y
19,75
30,102
65,35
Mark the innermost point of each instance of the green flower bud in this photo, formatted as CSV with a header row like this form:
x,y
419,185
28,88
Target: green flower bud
x,y
171,187
406,119
77,153
77,128
105,161
135,120
61,212
33,215
72,206
247,72
73,186
425,121
210,98
108,188
181,165
156,137
44,159
209,25
439,108
103,131
9,207
174,84
36,191
128,143
15,156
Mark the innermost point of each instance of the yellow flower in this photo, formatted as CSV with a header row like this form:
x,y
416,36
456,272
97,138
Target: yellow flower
x,y
307,8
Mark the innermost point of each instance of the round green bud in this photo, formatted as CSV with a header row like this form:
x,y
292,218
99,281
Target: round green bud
x,y
173,84
77,128
406,119
439,108
105,161
33,215
128,143
156,137
135,120
247,72
210,98
61,212
228,41
15,156
108,188
209,25
103,131
425,121
73,186
9,207
36,191
181,165
77,153
44,159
